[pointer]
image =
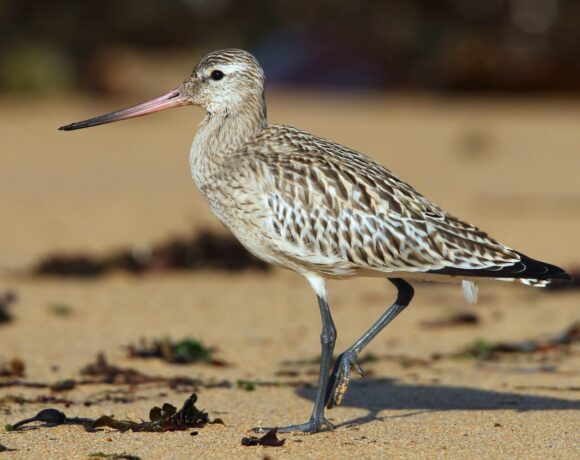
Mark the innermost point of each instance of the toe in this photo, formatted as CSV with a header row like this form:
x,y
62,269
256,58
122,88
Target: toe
x,y
311,426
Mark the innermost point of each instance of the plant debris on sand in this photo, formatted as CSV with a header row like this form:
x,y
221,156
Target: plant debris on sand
x,y
268,440
101,372
15,368
165,418
50,416
38,399
184,351
484,350
122,456
457,319
207,250
109,373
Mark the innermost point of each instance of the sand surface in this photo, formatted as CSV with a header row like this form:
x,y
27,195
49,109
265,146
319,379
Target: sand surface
x,y
509,167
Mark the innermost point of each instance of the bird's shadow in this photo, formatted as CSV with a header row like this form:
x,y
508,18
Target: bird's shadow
x,y
376,395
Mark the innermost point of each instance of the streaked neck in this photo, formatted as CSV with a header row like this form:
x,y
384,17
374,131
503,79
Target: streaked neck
x,y
222,132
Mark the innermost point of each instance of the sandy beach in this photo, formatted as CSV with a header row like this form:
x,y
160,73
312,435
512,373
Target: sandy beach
x,y
510,167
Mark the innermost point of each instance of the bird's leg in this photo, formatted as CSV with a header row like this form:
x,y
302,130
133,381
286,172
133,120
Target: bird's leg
x,y
340,375
327,340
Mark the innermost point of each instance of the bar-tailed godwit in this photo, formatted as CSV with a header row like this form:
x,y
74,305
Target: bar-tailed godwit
x,y
323,210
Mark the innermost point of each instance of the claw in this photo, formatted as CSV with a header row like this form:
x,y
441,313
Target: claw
x,y
357,367
328,424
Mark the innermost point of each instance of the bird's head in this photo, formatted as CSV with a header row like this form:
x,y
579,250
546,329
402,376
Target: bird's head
x,y
223,82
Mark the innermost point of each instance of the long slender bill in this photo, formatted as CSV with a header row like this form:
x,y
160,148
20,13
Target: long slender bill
x,y
173,98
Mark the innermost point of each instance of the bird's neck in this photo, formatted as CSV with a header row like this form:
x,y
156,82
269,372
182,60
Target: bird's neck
x,y
222,132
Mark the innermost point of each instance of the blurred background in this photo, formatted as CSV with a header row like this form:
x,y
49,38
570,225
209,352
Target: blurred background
x,y
508,46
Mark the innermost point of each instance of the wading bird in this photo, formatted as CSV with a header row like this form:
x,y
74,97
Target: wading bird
x,y
323,210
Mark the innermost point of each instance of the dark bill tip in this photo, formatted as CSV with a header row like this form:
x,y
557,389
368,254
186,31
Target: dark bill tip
x,y
70,127
171,99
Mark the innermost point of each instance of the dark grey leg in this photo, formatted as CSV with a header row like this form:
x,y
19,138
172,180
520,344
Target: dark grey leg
x,y
327,340
340,375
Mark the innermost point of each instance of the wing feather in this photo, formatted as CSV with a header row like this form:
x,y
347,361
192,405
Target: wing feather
x,y
340,204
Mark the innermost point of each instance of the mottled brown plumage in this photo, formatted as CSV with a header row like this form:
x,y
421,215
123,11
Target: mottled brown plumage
x,y
322,209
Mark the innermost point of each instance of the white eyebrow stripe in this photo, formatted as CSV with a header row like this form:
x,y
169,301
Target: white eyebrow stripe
x,y
230,68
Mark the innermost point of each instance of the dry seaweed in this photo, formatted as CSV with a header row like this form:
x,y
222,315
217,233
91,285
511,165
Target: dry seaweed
x,y
111,396
20,383
165,418
116,395
161,419
15,368
103,372
122,456
457,319
63,385
50,416
485,350
206,250
40,399
184,351
6,299
268,440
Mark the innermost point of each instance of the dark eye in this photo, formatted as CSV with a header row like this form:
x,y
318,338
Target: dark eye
x,y
217,75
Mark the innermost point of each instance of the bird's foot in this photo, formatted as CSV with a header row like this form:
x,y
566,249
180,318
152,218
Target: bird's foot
x,y
311,426
340,377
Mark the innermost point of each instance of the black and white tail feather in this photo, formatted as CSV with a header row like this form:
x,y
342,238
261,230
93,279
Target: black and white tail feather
x,y
527,271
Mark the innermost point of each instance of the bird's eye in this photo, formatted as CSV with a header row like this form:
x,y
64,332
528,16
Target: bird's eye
x,y
217,75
